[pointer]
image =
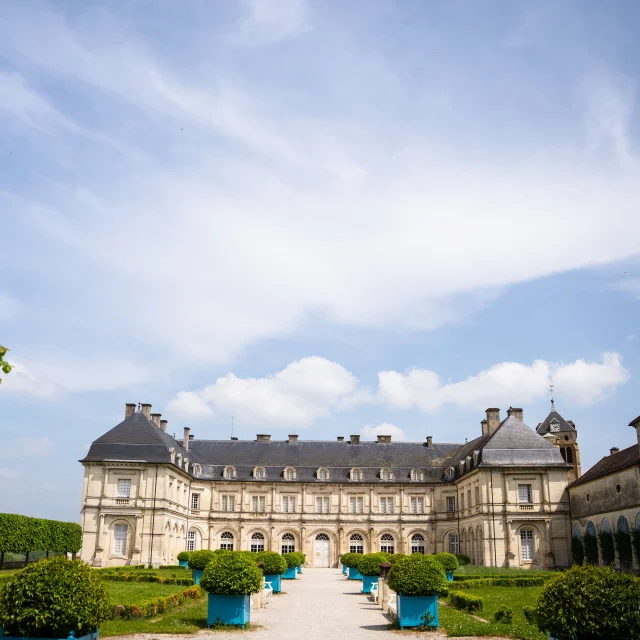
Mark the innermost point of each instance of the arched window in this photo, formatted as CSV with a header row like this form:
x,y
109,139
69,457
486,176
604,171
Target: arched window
x,y
563,453
356,475
605,526
288,544
120,533
322,474
197,470
259,473
387,543
449,474
526,545
229,473
417,543
570,455
191,540
356,544
226,540
454,546
591,529
577,530
415,475
257,542
385,474
623,525
289,473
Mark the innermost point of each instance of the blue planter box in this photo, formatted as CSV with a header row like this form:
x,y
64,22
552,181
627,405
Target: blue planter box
x,y
299,568
196,574
183,563
71,636
354,574
449,576
234,610
276,582
368,582
290,574
412,609
344,569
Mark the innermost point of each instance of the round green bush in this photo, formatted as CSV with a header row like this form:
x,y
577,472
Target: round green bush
x,y
199,559
273,563
590,603
463,559
392,558
232,574
417,575
447,560
50,598
351,560
369,563
301,558
184,555
291,559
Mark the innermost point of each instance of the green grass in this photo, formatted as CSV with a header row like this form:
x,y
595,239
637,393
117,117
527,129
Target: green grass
x,y
138,592
459,623
489,572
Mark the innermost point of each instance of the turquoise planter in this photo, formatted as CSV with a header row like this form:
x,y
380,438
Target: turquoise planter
x,y
299,568
449,576
235,610
290,574
354,574
344,569
368,582
276,582
183,563
196,574
71,636
412,610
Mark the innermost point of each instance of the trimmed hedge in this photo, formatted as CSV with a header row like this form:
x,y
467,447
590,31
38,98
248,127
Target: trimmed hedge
x,y
232,574
392,558
292,559
369,563
503,582
184,555
447,560
145,577
273,563
465,601
503,614
301,558
463,559
21,534
152,608
350,560
417,575
200,559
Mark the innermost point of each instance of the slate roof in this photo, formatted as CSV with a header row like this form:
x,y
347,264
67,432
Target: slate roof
x,y
563,425
610,464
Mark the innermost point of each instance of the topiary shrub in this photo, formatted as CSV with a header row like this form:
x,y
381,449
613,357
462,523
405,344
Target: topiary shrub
x,y
530,614
232,574
273,564
50,598
344,555
447,560
503,614
417,575
623,547
590,603
369,563
466,601
590,548
183,555
463,559
301,558
200,559
351,560
607,548
577,550
392,558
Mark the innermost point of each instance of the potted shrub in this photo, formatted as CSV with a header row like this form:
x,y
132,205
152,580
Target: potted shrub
x,y
585,603
230,579
54,598
351,560
183,558
302,559
369,569
417,580
273,566
292,566
344,566
449,562
198,560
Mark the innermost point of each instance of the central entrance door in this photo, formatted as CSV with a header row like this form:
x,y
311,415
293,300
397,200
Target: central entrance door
x,y
321,551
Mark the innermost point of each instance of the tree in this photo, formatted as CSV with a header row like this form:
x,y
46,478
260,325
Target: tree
x,y
4,365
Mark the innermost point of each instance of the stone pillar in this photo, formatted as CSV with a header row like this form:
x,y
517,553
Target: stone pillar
x,y
550,558
137,542
100,556
211,537
510,555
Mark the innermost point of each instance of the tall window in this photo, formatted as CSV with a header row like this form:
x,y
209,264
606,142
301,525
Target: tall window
x,y
356,474
451,504
524,493
227,503
259,473
526,544
449,474
288,544
124,488
322,504
226,541
120,539
569,454
386,505
469,498
462,501
288,504
454,546
477,495
356,544
322,474
356,504
387,543
257,543
195,501
415,475
258,504
417,505
417,543
191,540
289,474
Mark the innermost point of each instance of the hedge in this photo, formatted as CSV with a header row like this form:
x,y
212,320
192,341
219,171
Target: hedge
x,y
21,534
503,582
417,575
465,601
156,606
145,577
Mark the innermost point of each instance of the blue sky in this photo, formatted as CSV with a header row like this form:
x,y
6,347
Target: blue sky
x,y
321,218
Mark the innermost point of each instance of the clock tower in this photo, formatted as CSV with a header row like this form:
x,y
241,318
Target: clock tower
x,y
563,434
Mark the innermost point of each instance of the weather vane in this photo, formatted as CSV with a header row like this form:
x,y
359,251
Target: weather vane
x,y
553,404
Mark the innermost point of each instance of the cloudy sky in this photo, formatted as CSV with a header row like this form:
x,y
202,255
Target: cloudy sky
x,y
316,217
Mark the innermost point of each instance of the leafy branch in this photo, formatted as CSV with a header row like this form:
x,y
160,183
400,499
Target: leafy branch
x,y
4,365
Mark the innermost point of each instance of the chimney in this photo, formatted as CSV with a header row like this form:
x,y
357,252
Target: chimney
x,y
485,427
613,450
340,438
129,409
263,437
191,437
516,413
163,425
429,441
293,438
355,439
384,439
636,423
155,417
493,420
234,438
146,411
185,439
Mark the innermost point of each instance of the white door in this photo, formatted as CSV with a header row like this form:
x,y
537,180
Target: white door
x,y
321,551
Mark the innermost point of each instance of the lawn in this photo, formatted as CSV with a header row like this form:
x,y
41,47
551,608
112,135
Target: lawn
x,y
138,592
459,623
489,572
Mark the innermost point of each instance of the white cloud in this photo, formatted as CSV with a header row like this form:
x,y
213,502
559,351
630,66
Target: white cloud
x,y
371,432
26,446
189,404
267,21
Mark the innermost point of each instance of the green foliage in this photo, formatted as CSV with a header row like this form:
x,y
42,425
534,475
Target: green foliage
x,y
623,547
417,575
607,548
392,558
530,614
200,559
577,550
342,557
50,598
465,601
532,581
273,563
369,563
351,560
184,555
232,574
19,534
157,606
447,560
504,615
144,577
301,558
590,544
590,603
463,559
5,367
292,559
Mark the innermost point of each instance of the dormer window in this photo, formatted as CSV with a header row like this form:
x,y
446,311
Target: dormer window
x,y
197,470
449,474
289,473
476,455
415,475
259,473
229,473
461,467
356,475
179,460
322,474
385,474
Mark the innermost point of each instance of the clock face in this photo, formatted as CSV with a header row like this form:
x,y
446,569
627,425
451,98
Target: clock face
x,y
554,427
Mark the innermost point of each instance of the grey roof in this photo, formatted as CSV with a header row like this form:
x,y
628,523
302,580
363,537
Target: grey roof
x,y
563,425
611,464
